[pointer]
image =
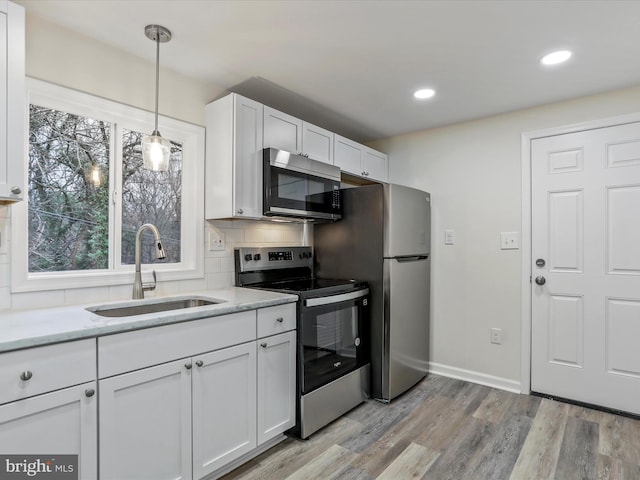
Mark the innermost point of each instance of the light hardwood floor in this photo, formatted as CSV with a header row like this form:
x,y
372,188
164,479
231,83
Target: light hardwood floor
x,y
449,429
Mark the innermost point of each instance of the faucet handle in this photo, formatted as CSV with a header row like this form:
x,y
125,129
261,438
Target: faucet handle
x,y
149,285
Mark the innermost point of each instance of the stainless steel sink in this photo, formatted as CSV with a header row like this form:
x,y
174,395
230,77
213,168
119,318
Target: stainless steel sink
x,y
162,305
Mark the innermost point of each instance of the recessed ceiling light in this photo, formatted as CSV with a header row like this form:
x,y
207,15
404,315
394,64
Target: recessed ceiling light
x,y
555,58
424,93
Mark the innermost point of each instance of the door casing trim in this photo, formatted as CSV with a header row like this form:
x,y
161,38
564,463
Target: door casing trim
x,y
526,244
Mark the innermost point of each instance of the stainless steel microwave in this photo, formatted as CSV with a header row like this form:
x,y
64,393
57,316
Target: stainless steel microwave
x,y
297,186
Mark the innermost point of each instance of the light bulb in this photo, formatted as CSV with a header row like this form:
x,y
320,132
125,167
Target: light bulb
x,y
424,93
95,176
555,58
156,152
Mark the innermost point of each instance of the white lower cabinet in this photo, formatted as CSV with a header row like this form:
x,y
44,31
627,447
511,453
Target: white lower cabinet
x,y
56,423
224,407
155,420
145,423
276,385
191,417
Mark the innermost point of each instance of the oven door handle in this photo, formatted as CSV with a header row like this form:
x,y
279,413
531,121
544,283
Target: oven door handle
x,y
343,297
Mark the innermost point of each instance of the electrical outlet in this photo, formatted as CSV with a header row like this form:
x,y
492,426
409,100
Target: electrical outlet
x,y
496,336
509,241
216,241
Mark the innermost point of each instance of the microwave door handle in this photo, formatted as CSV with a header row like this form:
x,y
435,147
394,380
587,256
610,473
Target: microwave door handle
x,y
316,302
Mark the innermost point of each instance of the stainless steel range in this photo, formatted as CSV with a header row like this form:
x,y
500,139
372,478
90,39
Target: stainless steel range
x,y
333,334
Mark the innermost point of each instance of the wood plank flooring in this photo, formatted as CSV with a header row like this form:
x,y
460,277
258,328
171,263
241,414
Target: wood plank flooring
x,y
449,429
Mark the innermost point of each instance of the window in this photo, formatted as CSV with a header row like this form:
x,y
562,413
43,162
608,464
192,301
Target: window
x,y
88,194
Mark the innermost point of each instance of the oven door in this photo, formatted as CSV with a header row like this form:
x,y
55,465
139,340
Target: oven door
x,y
332,339
298,194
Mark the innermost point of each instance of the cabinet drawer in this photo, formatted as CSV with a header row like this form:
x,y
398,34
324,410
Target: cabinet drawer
x,y
33,371
125,352
278,319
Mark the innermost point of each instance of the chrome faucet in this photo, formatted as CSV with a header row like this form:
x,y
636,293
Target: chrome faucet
x,y
138,287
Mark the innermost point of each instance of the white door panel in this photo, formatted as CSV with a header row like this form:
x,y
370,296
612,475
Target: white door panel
x,y
586,228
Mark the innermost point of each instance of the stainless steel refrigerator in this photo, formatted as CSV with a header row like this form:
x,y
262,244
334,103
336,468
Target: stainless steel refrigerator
x,y
384,239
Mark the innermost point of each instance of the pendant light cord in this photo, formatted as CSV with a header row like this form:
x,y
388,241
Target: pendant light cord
x,y
157,78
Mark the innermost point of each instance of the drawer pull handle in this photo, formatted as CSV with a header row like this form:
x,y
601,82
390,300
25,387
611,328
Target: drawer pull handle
x,y
89,392
188,366
263,345
199,363
26,375
279,319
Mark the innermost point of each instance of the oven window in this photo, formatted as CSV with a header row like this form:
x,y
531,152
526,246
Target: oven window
x,y
329,345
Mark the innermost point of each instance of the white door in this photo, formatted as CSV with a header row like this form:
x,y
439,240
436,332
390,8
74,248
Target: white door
x,y
145,424
61,422
276,385
586,296
224,407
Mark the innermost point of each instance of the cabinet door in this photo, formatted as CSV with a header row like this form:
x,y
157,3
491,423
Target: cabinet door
x,y
61,422
145,423
224,407
276,385
247,163
375,165
282,131
348,155
12,103
317,143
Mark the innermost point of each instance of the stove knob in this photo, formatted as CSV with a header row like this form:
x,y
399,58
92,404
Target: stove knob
x,y
248,257
309,255
301,255
256,257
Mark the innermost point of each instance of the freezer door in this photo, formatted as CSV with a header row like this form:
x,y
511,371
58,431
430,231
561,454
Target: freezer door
x,y
407,322
407,221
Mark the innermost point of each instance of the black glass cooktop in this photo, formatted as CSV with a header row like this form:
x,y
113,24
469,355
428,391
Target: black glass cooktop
x,y
309,285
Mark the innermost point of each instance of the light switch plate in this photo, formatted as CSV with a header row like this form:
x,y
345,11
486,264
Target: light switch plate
x,y
449,237
509,241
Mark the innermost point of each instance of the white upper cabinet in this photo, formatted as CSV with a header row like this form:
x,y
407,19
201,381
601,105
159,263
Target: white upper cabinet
x,y
360,160
238,129
282,131
12,102
291,134
233,177
317,143
375,165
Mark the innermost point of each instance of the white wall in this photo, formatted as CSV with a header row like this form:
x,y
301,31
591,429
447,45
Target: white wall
x,y
473,171
64,57
60,56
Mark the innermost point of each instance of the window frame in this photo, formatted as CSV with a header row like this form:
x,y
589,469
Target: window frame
x,y
192,137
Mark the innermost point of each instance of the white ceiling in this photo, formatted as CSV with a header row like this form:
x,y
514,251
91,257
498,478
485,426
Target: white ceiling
x,y
352,65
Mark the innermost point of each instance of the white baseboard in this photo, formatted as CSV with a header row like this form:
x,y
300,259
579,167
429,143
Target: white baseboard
x,y
475,377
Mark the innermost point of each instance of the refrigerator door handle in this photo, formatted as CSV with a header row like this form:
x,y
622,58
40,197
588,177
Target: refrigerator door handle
x,y
410,258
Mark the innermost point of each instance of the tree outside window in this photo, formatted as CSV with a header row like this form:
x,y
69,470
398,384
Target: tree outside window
x,y
69,190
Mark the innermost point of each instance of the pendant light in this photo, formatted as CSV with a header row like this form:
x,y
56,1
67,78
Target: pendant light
x,y
155,149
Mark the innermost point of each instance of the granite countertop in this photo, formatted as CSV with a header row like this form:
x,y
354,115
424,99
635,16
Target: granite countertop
x,y
30,328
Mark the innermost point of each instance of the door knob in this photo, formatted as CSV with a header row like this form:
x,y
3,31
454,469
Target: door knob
x,y
540,280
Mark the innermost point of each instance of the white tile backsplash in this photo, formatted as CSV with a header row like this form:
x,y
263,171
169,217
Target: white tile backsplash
x,y
219,265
